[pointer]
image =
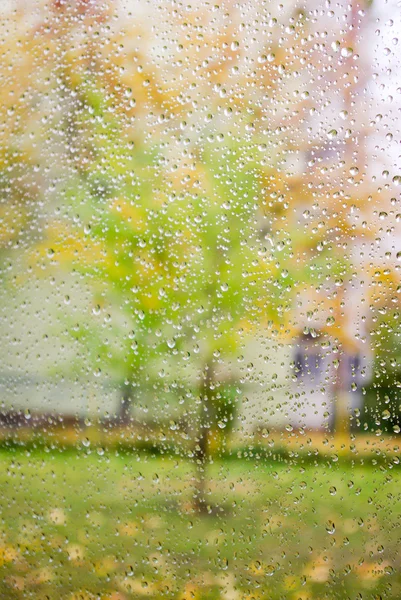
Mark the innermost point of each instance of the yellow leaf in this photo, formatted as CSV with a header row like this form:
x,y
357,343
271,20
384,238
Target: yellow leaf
x,y
129,529
57,516
7,554
75,552
191,592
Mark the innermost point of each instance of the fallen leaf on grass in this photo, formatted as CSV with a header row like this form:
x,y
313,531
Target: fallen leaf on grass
x,y
75,552
57,516
137,586
7,554
128,529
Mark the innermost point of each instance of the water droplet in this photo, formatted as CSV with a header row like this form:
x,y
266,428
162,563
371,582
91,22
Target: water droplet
x,y
347,52
330,527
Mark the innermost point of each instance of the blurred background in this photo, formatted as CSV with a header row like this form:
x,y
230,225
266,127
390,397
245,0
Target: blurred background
x,y
200,286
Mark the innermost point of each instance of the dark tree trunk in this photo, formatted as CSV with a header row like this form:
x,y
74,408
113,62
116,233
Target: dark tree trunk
x,y
201,454
124,409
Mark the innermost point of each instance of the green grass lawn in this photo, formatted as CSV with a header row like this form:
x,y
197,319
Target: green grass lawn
x,y
78,525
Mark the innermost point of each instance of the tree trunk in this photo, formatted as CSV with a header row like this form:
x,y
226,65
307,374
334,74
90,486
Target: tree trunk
x,y
124,409
202,450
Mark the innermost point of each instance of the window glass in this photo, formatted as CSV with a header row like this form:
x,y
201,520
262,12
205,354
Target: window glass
x,y
200,299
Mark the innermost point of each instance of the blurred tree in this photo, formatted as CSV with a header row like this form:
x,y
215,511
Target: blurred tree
x,y
182,273
232,283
